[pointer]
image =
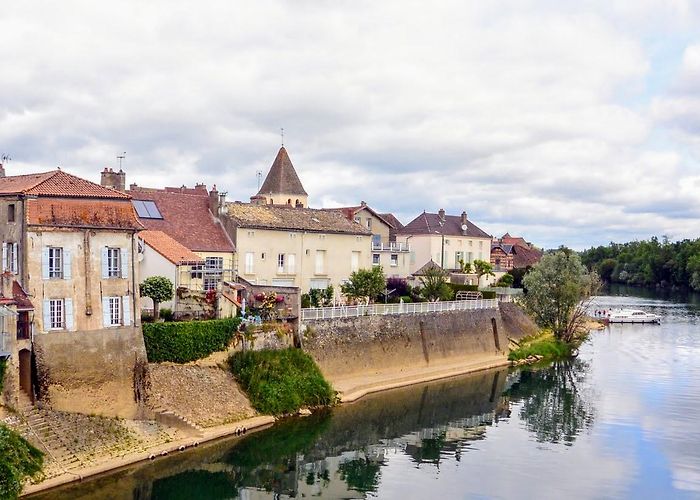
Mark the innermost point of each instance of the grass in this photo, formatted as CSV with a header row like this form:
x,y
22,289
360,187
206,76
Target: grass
x,y
281,382
545,345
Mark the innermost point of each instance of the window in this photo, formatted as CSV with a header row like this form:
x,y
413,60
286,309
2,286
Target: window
x,y
251,234
9,257
146,209
291,263
213,270
369,223
375,259
357,219
394,260
355,262
249,263
11,212
114,266
320,261
210,283
197,271
280,263
55,262
262,256
56,314
459,256
115,311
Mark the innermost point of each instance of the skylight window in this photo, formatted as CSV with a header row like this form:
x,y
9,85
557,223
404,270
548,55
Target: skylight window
x,y
147,209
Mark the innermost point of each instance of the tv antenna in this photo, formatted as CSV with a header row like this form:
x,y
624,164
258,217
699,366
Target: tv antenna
x,y
258,174
120,158
4,159
282,134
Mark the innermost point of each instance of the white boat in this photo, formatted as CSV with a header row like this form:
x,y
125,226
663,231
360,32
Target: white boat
x,y
633,316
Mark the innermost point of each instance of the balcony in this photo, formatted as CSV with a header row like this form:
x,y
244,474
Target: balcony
x,y
391,247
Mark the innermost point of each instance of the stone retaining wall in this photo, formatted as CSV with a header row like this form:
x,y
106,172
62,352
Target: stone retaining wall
x,y
366,344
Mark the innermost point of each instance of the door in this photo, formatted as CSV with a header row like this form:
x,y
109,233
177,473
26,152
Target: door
x,y
25,372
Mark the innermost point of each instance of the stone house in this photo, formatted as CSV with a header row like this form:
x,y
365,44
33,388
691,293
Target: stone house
x,y
501,256
70,245
444,239
513,252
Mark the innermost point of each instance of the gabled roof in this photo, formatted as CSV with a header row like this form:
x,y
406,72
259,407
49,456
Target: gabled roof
x,y
169,248
56,183
351,212
427,223
514,240
296,219
525,256
507,249
431,264
393,221
85,213
186,219
282,178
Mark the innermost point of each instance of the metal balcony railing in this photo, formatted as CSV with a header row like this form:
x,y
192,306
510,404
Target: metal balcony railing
x,y
390,247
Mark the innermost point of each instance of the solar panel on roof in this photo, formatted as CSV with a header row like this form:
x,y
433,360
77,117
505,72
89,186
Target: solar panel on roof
x,y
147,209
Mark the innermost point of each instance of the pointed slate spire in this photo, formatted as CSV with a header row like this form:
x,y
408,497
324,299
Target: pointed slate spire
x,y
282,178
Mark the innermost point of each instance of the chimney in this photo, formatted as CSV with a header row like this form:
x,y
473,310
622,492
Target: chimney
x,y
111,179
441,214
464,222
362,203
2,170
213,200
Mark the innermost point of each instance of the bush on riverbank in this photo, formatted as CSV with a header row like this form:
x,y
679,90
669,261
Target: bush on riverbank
x,y
281,382
19,461
182,342
544,346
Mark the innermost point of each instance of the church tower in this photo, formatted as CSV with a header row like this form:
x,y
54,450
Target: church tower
x,y
282,185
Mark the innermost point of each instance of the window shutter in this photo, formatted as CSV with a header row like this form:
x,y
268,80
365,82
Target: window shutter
x,y
68,312
124,258
105,311
66,264
47,316
45,263
15,248
4,256
105,264
126,310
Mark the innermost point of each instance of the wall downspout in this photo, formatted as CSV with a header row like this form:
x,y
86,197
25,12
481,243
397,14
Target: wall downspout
x,y
88,272
134,243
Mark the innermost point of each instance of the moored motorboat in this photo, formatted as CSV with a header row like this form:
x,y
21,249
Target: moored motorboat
x,y
633,316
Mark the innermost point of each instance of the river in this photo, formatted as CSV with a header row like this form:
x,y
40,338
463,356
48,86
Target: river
x,y
620,421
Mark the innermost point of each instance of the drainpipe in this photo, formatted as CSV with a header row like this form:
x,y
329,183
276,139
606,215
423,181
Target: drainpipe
x,y
133,281
88,272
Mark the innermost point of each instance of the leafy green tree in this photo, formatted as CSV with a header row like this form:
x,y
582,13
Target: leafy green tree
x,y
320,297
158,289
506,280
465,267
482,268
557,288
19,461
434,285
365,284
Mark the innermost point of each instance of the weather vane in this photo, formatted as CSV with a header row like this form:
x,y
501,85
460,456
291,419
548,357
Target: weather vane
x,y
282,134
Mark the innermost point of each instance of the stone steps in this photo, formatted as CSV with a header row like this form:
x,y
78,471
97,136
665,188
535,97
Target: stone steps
x,y
172,419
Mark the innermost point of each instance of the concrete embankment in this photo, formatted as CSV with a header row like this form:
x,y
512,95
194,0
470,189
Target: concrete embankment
x,y
365,354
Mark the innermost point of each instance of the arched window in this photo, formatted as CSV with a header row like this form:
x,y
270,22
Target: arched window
x,y
289,201
272,202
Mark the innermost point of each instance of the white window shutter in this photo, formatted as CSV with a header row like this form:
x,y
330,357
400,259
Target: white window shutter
x,y
124,258
45,263
66,264
47,315
105,263
15,253
126,310
68,312
4,256
105,312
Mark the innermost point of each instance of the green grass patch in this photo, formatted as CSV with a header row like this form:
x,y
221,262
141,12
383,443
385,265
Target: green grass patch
x,y
281,382
185,341
543,344
19,461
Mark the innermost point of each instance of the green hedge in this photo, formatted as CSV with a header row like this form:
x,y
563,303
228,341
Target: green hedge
x,y
185,341
3,367
463,288
488,294
19,460
281,382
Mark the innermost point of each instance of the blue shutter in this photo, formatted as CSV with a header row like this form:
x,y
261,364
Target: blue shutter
x,y
66,264
15,253
68,313
126,310
45,263
105,263
105,312
47,316
124,258
4,256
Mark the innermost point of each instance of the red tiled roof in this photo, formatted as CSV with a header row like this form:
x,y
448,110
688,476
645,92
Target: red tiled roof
x,y
392,220
427,223
525,256
169,248
69,212
350,213
20,297
186,219
56,183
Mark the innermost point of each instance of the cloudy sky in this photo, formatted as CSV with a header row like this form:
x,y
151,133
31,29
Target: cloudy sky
x,y
568,122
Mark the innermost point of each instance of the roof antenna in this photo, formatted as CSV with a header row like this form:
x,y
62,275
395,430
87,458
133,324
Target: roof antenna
x,y
120,158
282,134
4,159
258,174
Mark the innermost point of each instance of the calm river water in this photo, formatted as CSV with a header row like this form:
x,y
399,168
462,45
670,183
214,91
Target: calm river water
x,y
621,421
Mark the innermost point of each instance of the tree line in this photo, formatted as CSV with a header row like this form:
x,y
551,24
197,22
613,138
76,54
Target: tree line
x,y
651,262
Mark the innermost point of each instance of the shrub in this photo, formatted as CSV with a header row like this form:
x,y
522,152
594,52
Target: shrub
x,y
279,382
305,300
463,288
487,294
182,342
166,314
3,367
19,461
549,348
405,299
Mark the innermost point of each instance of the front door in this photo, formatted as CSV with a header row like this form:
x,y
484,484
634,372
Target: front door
x,y
25,372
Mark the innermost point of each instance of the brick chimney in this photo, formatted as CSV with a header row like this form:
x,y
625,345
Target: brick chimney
x,y
441,214
112,179
463,222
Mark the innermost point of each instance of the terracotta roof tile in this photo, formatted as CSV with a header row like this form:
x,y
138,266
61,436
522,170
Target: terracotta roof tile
x,y
69,212
525,256
427,223
169,248
392,220
431,264
20,297
291,218
56,183
186,219
282,178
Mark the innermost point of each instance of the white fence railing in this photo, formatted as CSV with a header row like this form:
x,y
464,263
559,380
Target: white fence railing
x,y
391,247
316,313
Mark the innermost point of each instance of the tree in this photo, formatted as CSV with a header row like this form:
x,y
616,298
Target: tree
x,y
20,461
558,289
465,267
506,280
365,284
435,286
158,289
482,268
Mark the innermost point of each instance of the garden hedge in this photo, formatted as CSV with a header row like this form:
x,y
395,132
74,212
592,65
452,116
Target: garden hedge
x,y
185,341
463,288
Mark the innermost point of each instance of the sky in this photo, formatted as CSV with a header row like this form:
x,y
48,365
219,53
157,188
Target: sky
x,y
570,123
